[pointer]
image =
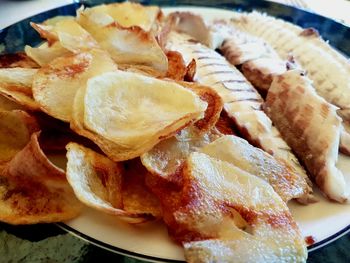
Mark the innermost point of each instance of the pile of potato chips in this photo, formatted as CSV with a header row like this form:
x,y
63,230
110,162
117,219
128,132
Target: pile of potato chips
x,y
142,140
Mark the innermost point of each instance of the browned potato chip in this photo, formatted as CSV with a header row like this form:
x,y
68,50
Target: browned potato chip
x,y
126,114
8,104
55,84
98,182
16,85
45,53
167,157
17,60
16,128
33,190
225,124
126,45
127,14
176,66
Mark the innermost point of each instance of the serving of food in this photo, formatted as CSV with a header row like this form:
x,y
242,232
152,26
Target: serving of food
x,y
190,134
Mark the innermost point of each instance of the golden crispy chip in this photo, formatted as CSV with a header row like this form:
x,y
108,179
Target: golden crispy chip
x,y
176,66
98,182
126,45
45,54
33,190
16,85
8,104
137,197
16,128
167,157
214,108
55,85
127,14
70,35
54,20
191,70
126,114
17,60
241,154
213,196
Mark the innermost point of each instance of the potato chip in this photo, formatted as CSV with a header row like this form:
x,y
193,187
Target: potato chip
x,y
128,14
214,108
176,66
54,20
203,213
16,128
167,157
70,35
16,85
8,104
126,114
33,190
126,45
241,154
45,54
17,60
225,124
98,182
55,85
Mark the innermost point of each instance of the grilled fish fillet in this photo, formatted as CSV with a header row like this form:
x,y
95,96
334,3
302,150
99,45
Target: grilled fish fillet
x,y
310,125
329,70
242,102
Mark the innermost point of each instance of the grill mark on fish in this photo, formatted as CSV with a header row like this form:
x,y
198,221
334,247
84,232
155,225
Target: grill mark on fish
x,y
247,99
230,81
206,57
217,72
242,90
212,64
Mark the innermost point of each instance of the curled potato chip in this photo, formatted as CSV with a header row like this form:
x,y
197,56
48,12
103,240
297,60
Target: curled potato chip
x,y
16,128
69,33
126,114
33,190
55,84
16,85
126,45
167,157
17,60
102,184
8,104
45,53
176,66
128,14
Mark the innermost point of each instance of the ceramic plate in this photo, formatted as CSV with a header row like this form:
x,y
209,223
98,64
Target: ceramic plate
x,y
324,221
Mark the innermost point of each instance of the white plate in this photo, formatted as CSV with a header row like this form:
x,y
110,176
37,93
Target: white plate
x,y
324,221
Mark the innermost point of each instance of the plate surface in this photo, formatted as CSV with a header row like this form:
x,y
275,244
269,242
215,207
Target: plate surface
x,y
325,221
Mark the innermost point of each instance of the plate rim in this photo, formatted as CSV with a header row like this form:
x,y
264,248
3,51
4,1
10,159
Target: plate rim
x,y
311,248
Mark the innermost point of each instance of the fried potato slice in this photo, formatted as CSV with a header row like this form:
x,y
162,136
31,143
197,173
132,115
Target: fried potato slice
x,y
166,159
214,193
8,104
16,85
126,114
45,53
104,185
55,85
176,66
17,60
241,154
16,128
126,45
69,33
129,14
33,190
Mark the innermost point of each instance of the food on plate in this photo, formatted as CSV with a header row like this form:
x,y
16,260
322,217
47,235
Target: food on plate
x,y
127,43
33,190
152,118
311,126
15,84
55,84
328,69
242,102
241,154
105,185
217,217
16,128
126,114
